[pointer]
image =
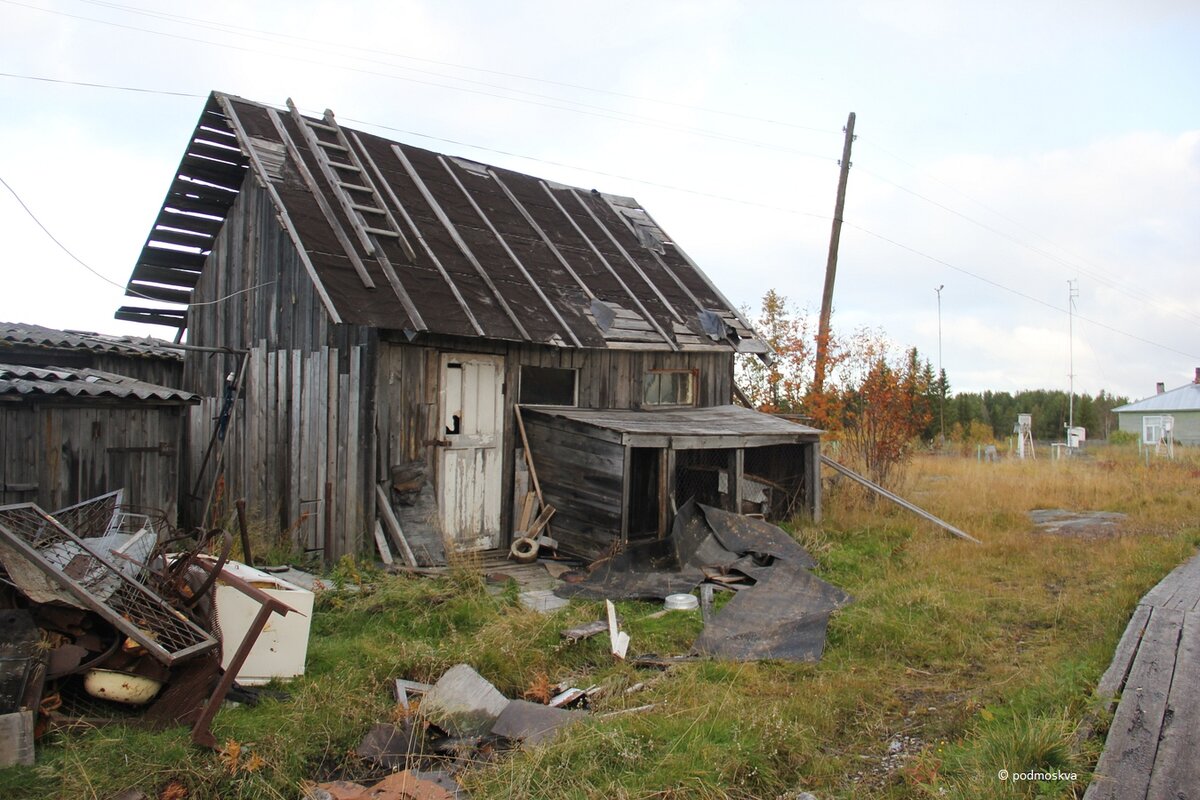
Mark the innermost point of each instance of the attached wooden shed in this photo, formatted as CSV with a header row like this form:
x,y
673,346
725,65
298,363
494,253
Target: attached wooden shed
x,y
67,435
394,305
616,476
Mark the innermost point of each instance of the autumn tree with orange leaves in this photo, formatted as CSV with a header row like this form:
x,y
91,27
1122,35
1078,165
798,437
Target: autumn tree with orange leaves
x,y
876,401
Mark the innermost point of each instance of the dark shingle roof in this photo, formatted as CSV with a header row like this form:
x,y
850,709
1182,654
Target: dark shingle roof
x,y
17,381
476,250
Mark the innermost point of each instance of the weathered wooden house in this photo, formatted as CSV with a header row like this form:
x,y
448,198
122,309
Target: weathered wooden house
x,y
69,434
394,305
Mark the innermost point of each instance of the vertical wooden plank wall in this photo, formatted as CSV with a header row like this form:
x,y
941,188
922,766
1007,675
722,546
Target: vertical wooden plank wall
x,y
295,431
68,453
297,425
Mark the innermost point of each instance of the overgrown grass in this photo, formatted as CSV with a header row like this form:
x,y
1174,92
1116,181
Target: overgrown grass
x,y
966,659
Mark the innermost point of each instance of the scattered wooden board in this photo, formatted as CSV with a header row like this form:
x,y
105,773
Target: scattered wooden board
x,y
381,545
584,631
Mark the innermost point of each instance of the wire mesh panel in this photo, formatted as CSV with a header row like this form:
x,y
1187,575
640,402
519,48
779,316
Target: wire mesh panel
x,y
94,517
43,557
698,476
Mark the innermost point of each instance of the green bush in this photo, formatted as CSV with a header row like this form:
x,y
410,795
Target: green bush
x,y
1121,438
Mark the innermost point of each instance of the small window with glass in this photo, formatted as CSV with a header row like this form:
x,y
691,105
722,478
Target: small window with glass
x,y
669,387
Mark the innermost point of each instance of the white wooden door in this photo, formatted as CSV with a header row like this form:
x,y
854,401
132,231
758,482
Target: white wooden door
x,y
471,430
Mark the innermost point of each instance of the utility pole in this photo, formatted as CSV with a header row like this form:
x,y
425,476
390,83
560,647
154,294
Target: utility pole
x,y
831,265
1072,293
941,372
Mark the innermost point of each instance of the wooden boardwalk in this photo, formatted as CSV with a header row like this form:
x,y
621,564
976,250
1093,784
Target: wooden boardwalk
x,y
1153,746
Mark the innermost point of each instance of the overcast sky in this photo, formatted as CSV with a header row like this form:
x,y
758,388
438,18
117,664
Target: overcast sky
x,y
1001,151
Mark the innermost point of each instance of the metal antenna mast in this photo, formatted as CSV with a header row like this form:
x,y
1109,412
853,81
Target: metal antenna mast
x,y
941,372
1072,293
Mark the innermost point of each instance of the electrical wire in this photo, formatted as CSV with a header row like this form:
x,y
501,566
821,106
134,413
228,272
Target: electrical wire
x,y
276,37
1096,274
229,28
532,99
128,289
1016,292
612,114
670,187
457,143
100,85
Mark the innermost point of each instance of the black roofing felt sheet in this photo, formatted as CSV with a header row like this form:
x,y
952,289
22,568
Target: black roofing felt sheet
x,y
783,615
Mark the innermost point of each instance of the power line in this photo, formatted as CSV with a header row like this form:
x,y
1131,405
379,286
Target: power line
x,y
1097,274
229,28
589,170
457,143
555,104
612,114
105,278
603,112
100,85
670,187
1017,292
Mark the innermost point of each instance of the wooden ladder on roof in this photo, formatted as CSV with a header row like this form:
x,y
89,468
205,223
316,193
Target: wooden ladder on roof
x,y
353,186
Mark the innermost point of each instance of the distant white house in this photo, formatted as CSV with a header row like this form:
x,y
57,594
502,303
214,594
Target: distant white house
x,y
1178,410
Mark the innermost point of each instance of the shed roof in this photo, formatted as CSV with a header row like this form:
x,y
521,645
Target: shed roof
x,y
20,333
17,382
684,428
1184,398
395,236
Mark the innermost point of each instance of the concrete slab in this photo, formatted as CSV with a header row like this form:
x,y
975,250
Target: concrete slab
x,y
463,703
543,600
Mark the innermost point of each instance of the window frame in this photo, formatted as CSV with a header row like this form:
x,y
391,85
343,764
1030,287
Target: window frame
x,y
693,382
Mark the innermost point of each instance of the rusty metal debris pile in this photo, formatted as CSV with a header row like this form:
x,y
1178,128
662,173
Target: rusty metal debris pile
x,y
107,614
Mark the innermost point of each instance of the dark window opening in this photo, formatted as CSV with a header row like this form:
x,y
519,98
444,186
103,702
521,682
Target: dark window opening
x,y
548,386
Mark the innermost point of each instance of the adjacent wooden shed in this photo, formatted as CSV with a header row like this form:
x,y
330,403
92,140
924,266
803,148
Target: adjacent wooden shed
x,y
141,357
394,305
67,435
618,475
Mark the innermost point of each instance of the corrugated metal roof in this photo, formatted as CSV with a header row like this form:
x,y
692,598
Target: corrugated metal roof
x,y
460,248
52,338
16,380
1185,398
